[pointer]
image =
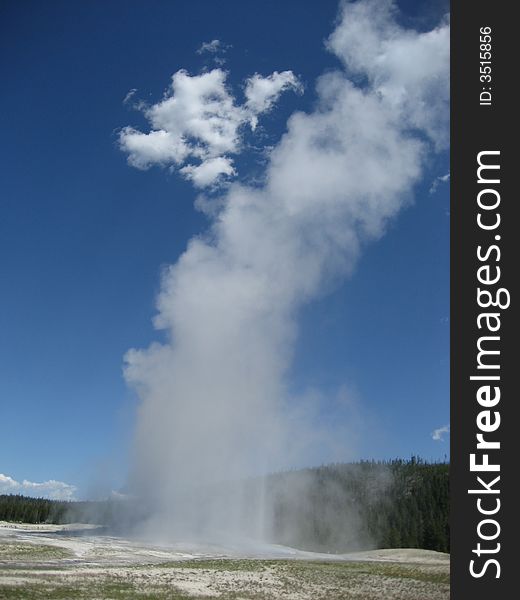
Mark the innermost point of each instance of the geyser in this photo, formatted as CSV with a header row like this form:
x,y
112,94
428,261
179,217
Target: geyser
x,y
215,408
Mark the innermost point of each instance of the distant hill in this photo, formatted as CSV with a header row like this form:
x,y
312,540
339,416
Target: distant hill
x,y
333,508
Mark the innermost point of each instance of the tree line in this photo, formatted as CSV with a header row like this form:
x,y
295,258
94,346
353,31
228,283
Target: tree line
x,y
333,508
369,504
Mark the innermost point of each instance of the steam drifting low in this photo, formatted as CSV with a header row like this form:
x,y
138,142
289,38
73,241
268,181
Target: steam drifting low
x,y
214,401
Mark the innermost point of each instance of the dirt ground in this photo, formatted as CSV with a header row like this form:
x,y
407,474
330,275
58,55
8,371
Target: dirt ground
x,y
62,562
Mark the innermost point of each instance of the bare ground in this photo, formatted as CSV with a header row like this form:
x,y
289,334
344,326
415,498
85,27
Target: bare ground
x,y
53,562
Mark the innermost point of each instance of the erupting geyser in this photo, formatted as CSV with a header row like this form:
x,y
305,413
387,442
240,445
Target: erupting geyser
x,y
214,403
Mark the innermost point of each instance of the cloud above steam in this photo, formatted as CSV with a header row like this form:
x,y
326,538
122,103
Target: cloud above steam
x,y
198,125
214,395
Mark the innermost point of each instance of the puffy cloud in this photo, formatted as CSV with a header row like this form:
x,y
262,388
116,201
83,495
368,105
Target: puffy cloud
x,y
52,489
199,119
407,68
208,171
263,92
156,147
438,434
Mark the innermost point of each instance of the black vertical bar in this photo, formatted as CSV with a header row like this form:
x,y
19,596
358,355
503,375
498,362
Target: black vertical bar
x,y
483,119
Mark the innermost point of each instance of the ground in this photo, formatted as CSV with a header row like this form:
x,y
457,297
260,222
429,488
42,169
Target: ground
x,y
57,562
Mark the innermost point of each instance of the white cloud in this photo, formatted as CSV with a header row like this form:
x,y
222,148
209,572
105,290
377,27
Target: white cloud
x,y
216,49
198,120
129,95
208,171
215,395
262,92
407,68
156,147
212,47
437,181
52,489
438,434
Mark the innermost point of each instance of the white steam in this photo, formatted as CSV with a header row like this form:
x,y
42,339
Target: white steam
x,y
214,401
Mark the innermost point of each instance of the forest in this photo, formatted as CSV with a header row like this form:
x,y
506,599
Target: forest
x,y
333,508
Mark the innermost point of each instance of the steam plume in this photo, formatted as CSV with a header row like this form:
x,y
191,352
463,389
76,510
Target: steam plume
x,y
214,401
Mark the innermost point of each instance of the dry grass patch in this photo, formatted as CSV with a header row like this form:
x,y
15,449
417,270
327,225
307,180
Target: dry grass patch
x,y
13,552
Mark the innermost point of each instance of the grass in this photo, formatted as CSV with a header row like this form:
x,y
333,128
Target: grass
x,y
13,552
222,564
312,569
25,574
109,590
318,581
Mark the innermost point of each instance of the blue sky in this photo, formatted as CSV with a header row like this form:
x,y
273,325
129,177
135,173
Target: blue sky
x,y
84,236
